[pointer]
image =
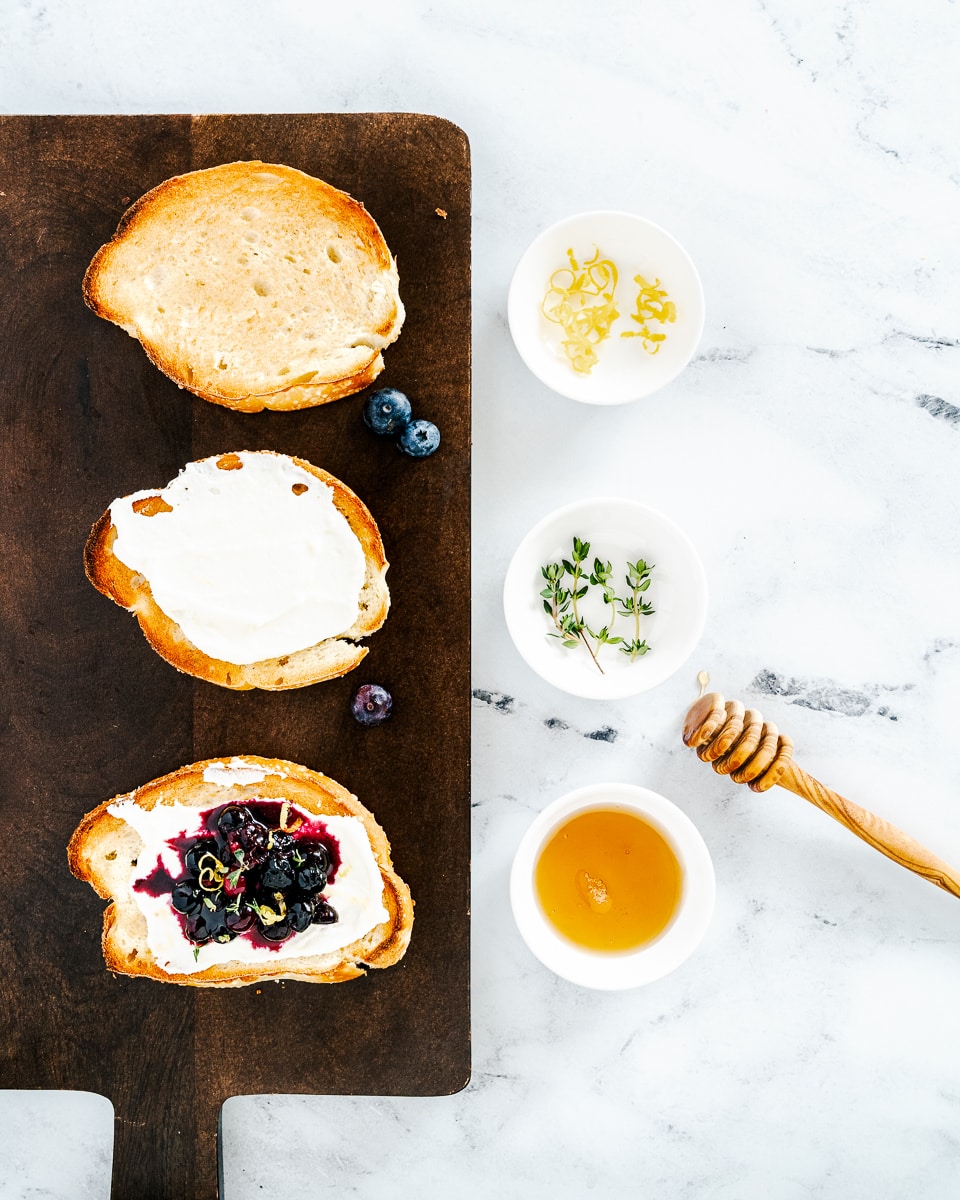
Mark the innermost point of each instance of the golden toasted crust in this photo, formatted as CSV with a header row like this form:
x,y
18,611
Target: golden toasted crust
x,y
304,395
328,659
252,285
104,851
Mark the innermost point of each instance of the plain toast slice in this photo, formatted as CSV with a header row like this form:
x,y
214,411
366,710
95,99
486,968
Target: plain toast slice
x,y
253,285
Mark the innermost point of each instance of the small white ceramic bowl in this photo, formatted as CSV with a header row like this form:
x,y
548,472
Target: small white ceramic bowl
x,y
624,370
618,531
632,968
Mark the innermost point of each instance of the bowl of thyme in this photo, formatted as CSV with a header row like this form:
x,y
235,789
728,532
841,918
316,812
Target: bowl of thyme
x,y
605,598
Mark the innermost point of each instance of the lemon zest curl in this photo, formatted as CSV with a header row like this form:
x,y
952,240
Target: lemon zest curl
x,y
581,299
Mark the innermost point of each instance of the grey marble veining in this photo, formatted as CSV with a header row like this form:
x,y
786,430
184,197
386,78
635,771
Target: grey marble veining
x,y
807,157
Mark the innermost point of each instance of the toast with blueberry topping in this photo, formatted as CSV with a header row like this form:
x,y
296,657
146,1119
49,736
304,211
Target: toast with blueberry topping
x,y
232,871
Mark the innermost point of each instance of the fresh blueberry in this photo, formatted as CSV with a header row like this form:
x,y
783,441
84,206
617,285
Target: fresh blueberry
x,y
386,411
371,704
419,438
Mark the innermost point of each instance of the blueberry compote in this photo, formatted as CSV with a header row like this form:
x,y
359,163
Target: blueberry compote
x,y
258,871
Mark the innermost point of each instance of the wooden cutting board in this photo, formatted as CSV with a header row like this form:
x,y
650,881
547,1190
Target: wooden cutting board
x,y
88,710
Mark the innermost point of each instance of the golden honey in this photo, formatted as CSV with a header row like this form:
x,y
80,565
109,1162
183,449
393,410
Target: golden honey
x,y
608,880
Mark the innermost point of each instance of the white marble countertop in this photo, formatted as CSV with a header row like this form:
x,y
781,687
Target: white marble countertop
x,y
806,155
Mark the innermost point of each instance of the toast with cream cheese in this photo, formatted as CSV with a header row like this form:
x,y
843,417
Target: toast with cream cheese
x,y
250,570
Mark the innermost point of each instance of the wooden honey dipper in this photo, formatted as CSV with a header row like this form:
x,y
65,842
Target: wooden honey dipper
x,y
739,743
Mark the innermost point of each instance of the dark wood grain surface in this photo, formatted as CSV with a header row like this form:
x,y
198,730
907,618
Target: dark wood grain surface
x,y
88,710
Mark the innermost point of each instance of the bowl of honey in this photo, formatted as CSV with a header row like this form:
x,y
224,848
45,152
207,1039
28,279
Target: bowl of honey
x,y
612,886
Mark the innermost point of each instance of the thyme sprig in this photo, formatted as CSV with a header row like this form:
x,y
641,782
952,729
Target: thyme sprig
x,y
638,580
561,602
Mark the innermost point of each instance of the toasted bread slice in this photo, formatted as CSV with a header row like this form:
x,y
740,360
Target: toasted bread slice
x,y
252,285
242,565
108,852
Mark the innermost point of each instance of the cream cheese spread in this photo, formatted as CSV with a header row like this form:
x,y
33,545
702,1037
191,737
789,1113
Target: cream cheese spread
x,y
234,773
356,894
252,562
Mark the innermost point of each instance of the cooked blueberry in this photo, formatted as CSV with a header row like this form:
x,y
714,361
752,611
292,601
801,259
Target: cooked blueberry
x,y
186,899
191,859
277,873
231,818
311,877
324,913
300,915
239,920
202,926
386,411
197,931
371,704
279,931
419,438
252,838
253,833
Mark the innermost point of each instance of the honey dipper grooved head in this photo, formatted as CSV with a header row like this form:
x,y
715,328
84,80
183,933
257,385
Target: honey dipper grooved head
x,y
744,747
776,770
703,720
761,758
730,731
737,742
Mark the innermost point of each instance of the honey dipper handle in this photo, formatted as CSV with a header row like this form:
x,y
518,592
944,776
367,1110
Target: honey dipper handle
x,y
880,834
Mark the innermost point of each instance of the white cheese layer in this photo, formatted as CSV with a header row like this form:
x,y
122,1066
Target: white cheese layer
x,y
234,773
252,563
357,894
